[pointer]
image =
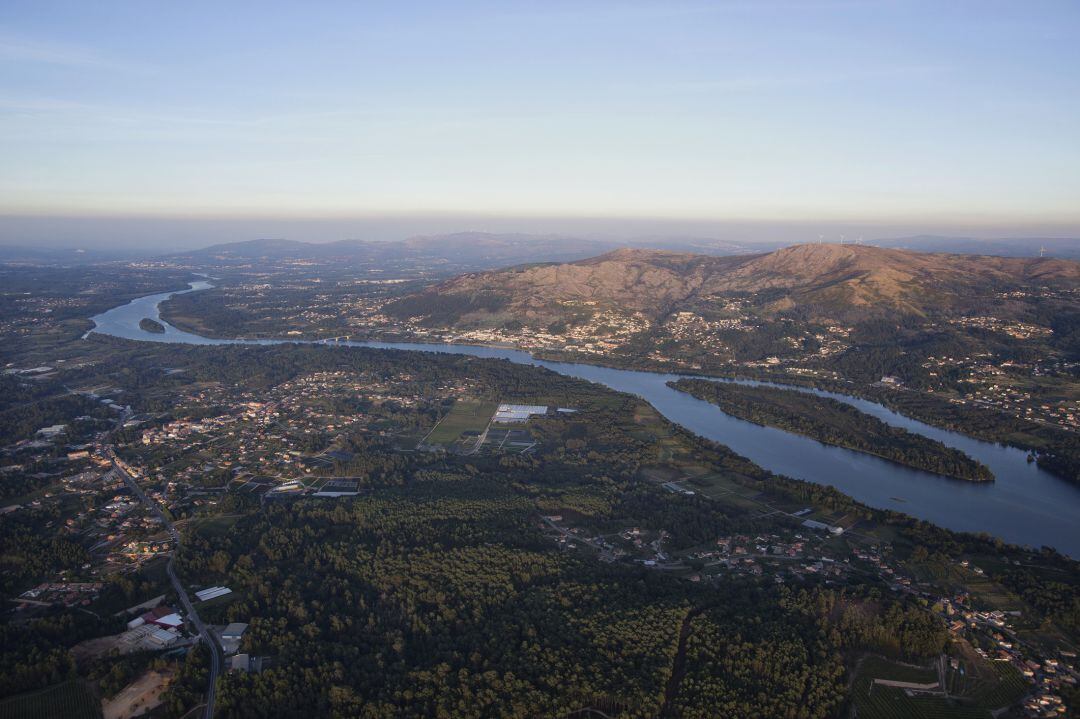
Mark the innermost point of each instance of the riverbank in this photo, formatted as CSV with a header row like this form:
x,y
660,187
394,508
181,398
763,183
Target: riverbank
x,y
833,422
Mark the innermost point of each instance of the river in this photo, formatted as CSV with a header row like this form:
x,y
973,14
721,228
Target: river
x,y
1025,505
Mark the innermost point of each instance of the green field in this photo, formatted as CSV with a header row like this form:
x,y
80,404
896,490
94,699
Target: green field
x,y
71,700
217,526
721,489
466,415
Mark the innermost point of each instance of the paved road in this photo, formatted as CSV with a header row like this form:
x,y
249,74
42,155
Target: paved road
x,y
189,609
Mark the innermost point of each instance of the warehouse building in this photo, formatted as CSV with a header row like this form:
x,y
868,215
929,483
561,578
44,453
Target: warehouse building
x,y
515,413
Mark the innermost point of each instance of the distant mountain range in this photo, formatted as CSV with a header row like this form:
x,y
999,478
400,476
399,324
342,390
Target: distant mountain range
x,y
63,256
488,250
465,251
816,281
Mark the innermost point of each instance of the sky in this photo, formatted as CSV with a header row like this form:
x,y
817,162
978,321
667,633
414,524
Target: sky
x,y
322,119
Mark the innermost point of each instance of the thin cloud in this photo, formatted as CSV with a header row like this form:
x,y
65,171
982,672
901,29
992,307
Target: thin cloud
x,y
797,80
32,51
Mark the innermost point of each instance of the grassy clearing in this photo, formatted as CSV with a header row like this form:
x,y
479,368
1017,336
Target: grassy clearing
x,y
154,571
878,668
213,526
72,699
466,415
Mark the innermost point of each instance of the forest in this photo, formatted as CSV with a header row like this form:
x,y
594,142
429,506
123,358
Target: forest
x,y
440,598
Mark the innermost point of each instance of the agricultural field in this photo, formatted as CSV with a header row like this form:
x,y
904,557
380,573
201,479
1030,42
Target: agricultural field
x,y
72,700
719,488
975,689
1000,687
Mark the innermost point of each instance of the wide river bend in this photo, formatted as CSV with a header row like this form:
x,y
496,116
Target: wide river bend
x,y
1025,505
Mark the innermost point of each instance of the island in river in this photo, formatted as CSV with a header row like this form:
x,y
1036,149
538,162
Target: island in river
x,y
150,325
833,422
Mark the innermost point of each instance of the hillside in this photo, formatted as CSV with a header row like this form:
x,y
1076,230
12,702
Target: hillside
x,y
822,282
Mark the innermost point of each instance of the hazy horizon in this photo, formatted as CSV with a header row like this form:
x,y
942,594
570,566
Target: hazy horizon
x,y
155,234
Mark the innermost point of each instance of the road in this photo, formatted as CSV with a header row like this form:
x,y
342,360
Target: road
x,y
189,610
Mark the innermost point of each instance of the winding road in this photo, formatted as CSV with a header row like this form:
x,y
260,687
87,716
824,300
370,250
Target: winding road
x,y
204,631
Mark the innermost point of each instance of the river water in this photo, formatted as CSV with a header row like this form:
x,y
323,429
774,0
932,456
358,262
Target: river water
x,y
1025,505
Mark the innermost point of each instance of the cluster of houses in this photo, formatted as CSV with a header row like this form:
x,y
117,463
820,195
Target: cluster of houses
x,y
264,436
1048,676
987,385
604,330
67,594
1013,328
701,333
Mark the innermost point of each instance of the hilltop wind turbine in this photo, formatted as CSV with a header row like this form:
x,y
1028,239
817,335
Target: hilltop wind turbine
x,y
820,239
1042,251
841,239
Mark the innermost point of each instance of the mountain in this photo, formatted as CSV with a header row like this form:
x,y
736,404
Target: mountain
x,y
822,281
460,252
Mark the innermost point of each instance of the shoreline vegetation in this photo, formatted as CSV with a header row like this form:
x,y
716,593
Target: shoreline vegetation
x,y
148,325
833,422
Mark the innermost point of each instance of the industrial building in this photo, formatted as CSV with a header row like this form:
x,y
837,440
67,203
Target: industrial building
x,y
231,637
813,524
515,413
209,593
235,631
339,488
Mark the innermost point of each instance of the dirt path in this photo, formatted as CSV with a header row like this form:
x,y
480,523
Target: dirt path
x,y
678,666
137,698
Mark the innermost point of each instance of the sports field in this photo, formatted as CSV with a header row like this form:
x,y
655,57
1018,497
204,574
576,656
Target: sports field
x,y
467,415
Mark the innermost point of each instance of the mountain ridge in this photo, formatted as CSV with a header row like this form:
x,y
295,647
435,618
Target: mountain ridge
x,y
826,280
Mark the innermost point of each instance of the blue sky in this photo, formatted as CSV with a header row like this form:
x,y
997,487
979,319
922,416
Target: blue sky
x,y
935,112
